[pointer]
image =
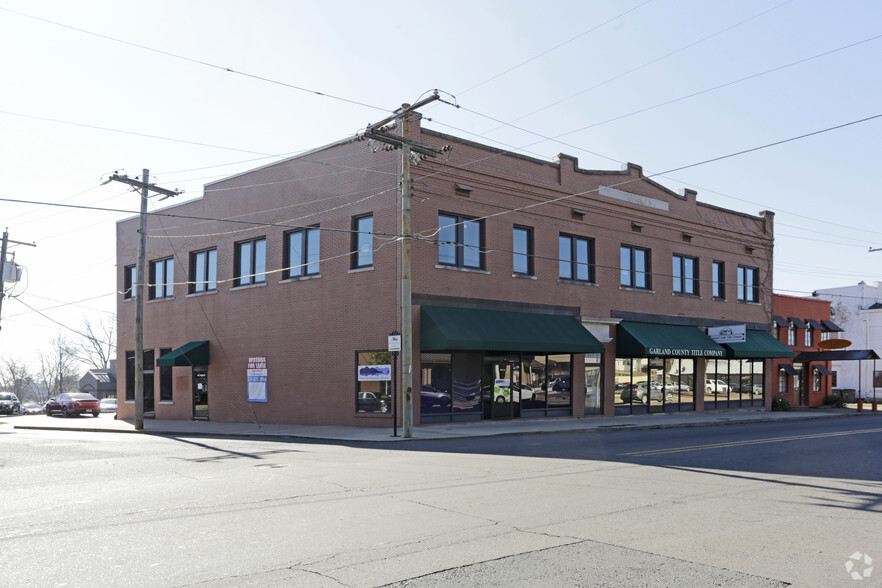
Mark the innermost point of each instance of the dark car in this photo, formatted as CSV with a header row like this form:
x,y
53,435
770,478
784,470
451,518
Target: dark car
x,y
431,397
642,392
75,403
370,402
9,403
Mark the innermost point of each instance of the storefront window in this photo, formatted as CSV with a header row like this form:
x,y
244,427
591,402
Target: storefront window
x,y
435,383
373,393
560,382
593,396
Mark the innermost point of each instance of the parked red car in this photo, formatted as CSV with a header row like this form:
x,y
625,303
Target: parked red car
x,y
74,403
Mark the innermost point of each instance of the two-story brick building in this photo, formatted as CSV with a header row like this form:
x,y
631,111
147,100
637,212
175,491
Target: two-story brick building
x,y
538,289
802,324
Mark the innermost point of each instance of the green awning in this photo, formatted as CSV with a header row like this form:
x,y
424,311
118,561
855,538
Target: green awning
x,y
759,344
449,329
193,353
648,339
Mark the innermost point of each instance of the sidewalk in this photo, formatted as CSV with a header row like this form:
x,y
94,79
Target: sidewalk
x,y
107,424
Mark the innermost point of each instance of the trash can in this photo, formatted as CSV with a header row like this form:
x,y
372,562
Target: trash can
x,y
847,394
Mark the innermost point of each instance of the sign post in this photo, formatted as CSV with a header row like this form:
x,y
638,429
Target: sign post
x,y
394,347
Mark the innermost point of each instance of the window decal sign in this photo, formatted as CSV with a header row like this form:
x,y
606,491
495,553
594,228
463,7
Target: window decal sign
x,y
374,373
256,376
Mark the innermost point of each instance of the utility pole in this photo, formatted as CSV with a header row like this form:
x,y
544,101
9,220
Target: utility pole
x,y
3,248
146,187
407,147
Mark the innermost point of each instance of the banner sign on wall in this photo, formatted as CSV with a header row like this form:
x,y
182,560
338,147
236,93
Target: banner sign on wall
x,y
257,379
728,334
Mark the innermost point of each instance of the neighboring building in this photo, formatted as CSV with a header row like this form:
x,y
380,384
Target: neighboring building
x,y
539,289
858,310
100,383
801,324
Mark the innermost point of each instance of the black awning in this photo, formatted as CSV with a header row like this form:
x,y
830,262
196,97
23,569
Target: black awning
x,y
780,321
758,344
831,326
469,329
814,324
823,370
193,353
836,355
797,322
789,369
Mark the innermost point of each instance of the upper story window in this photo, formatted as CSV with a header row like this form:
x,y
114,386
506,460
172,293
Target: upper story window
x,y
718,279
791,335
685,272
249,262
363,241
748,284
635,268
129,278
203,271
522,248
301,253
576,258
162,277
808,335
460,241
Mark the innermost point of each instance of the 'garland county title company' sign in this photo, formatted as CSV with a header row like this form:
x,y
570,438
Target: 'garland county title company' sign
x,y
679,352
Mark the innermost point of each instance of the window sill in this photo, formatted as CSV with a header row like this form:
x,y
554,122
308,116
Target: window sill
x,y
457,268
367,268
576,282
718,299
300,278
686,295
633,289
748,302
248,286
151,300
524,276
203,293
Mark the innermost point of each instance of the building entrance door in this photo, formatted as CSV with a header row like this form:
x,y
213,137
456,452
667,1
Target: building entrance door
x,y
502,386
200,393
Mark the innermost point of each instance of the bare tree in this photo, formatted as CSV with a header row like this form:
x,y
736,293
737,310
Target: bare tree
x,y
59,367
15,377
98,342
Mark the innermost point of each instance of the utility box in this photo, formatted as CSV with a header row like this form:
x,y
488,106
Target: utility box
x,y
11,272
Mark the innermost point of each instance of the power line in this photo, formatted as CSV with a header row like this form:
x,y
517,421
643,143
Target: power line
x,y
192,60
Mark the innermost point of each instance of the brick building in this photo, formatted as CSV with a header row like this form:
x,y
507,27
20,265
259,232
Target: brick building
x,y
539,289
801,324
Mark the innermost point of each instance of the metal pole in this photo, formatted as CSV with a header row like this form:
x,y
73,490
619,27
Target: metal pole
x,y
406,300
139,307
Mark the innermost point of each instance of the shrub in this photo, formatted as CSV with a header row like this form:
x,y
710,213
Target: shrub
x,y
834,401
780,403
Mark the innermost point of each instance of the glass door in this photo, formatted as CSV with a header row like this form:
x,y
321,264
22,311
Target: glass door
x,y
502,386
200,393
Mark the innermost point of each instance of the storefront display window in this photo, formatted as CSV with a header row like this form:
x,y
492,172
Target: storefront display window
x,y
593,395
373,396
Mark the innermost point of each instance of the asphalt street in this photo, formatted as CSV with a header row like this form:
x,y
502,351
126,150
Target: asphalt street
x,y
757,504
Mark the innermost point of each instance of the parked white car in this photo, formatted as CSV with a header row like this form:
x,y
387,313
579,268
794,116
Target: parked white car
x,y
716,386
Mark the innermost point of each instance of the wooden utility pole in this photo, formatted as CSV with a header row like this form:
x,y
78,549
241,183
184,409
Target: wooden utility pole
x,y
138,287
407,146
6,242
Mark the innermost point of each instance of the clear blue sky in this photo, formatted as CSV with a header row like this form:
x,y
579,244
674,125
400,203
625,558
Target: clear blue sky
x,y
660,83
